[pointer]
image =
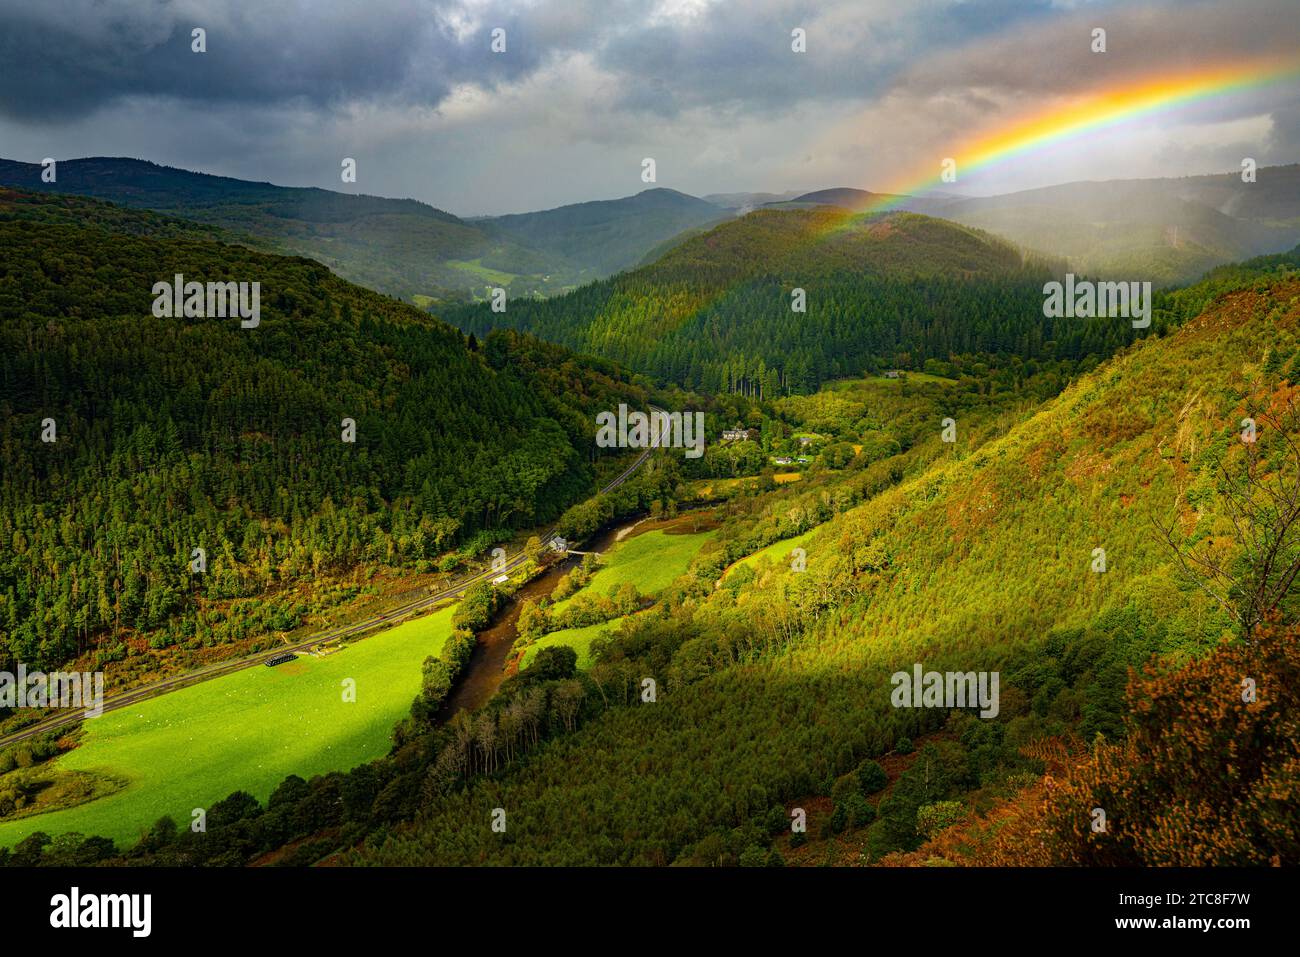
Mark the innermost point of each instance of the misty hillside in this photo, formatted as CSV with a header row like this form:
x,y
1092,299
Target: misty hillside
x,y
1169,231
607,236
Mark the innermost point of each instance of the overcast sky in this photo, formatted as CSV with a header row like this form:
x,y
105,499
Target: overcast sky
x,y
587,88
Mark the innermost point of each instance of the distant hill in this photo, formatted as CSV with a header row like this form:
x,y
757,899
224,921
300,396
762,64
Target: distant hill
x,y
606,236
1169,231
844,197
801,243
715,313
398,246
861,200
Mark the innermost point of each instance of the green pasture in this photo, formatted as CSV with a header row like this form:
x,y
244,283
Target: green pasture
x,y
579,639
649,561
246,731
777,552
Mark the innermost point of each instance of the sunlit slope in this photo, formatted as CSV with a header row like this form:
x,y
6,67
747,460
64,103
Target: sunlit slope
x,y
243,732
964,568
649,562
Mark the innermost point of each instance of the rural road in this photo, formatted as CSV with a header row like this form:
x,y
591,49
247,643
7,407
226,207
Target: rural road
x,y
153,690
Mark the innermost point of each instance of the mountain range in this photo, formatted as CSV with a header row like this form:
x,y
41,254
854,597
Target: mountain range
x,y
1168,231
397,246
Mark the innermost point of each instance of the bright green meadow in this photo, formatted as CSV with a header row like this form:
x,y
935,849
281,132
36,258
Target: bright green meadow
x,y
246,731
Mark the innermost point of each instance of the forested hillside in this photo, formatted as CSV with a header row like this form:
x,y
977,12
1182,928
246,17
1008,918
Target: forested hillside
x,y
716,313
170,434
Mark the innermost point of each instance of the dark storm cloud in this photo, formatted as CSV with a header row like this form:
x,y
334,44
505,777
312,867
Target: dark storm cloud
x,y
65,60
738,54
711,88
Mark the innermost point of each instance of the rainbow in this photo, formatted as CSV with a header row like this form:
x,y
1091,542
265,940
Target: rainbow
x,y
1093,112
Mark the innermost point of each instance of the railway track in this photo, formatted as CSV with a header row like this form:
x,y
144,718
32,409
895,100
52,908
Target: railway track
x,y
155,689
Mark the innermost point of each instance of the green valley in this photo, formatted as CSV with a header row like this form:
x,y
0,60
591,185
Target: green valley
x,y
951,509
763,439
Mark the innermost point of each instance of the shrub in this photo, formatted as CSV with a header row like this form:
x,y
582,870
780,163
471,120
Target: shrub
x,y
859,812
933,818
753,856
1170,798
871,777
554,662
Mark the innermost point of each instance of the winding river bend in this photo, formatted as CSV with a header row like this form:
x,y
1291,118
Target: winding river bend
x,y
486,668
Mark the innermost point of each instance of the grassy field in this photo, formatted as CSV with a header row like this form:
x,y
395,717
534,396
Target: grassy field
x,y
649,561
916,378
476,267
579,639
778,552
707,488
245,731
880,382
